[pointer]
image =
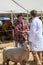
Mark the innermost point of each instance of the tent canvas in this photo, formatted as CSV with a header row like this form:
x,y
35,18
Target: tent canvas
x,y
7,5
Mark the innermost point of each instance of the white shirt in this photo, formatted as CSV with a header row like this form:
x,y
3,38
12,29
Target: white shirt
x,y
35,35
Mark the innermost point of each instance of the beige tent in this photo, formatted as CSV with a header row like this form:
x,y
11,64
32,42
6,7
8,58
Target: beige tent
x,y
8,5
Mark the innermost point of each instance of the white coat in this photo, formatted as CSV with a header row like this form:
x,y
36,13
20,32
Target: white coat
x,y
35,35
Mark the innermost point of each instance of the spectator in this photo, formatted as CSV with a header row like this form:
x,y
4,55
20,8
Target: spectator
x,y
20,28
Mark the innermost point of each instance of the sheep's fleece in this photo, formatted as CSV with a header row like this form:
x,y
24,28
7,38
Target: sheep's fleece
x,y
15,54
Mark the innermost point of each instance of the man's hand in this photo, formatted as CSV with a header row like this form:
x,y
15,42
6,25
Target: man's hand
x,y
24,31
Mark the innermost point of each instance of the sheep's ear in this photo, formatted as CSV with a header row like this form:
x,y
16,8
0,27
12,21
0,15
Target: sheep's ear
x,y
27,47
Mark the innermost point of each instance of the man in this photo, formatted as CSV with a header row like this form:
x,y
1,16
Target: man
x,y
20,28
35,36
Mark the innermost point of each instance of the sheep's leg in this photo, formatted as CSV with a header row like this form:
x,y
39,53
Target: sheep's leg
x,y
24,63
7,62
3,62
15,63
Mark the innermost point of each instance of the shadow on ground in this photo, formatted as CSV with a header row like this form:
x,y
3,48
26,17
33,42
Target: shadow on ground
x,y
29,63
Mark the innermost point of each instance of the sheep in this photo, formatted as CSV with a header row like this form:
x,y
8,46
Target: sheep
x,y
16,54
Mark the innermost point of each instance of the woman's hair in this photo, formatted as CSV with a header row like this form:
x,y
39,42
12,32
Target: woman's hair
x,y
33,13
19,15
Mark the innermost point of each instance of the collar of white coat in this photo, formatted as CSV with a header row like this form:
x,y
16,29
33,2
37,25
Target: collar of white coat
x,y
34,18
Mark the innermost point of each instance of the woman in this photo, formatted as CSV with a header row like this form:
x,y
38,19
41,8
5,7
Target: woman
x,y
35,36
20,35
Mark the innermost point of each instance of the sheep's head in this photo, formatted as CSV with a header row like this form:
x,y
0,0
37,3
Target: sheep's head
x,y
25,46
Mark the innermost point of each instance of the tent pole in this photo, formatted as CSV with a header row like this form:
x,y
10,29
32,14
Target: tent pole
x,y
27,23
41,15
12,25
27,15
